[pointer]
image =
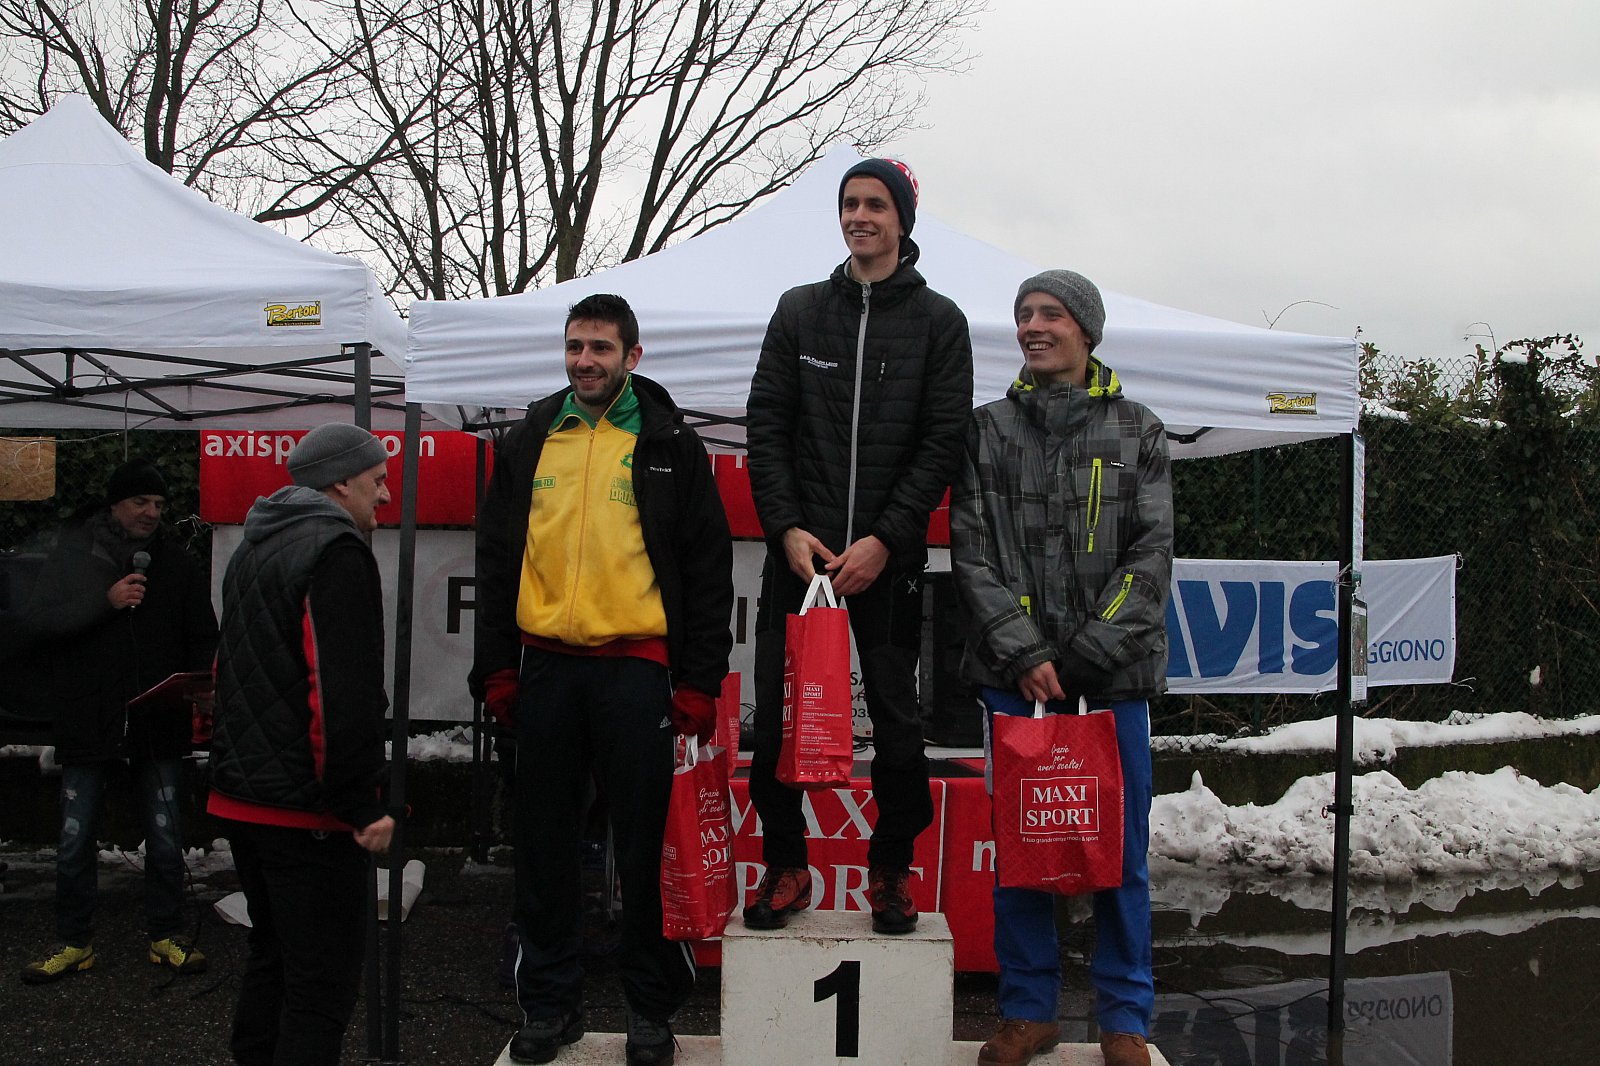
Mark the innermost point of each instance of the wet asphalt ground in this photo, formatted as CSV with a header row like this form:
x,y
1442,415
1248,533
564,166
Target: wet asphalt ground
x,y
453,1008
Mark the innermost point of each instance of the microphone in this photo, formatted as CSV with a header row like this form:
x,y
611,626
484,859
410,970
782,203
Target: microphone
x,y
141,563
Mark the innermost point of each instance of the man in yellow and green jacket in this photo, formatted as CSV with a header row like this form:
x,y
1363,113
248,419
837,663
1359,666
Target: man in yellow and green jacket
x,y
604,593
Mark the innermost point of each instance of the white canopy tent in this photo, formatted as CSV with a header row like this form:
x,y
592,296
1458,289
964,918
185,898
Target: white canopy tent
x,y
703,307
129,300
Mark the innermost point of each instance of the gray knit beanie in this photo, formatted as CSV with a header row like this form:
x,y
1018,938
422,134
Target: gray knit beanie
x,y
1076,293
332,453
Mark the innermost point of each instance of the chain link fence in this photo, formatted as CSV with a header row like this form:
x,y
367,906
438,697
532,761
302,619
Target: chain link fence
x,y
1493,458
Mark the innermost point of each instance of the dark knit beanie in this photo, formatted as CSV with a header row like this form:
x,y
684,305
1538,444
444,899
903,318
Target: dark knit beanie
x,y
902,185
1076,293
136,477
333,453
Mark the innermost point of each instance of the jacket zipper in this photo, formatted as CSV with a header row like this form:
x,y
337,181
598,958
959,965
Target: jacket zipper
x,y
1094,502
855,415
583,524
1122,595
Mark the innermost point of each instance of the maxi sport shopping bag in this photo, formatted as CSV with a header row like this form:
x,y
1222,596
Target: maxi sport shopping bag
x,y
818,746
697,888
1057,801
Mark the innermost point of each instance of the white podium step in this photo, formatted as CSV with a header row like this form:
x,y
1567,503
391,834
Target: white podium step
x,y
829,990
965,1053
607,1049
610,1049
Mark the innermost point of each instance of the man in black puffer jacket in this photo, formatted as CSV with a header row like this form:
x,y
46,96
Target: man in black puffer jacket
x,y
857,417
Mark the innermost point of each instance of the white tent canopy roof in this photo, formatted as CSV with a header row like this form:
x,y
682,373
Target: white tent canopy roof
x,y
704,304
145,281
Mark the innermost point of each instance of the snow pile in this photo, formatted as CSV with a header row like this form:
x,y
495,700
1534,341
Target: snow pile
x,y
451,745
1377,740
1458,824
200,862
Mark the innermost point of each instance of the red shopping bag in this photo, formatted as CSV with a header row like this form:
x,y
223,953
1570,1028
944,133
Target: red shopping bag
x,y
697,886
1057,801
818,746
728,715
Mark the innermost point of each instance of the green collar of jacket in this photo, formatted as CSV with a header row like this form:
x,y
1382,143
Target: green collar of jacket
x,y
623,413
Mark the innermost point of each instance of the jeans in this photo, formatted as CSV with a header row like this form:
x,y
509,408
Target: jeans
x,y
77,875
1024,921
307,891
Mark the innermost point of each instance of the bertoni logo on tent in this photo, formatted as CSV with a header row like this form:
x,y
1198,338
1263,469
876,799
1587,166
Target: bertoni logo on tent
x,y
1288,403
294,314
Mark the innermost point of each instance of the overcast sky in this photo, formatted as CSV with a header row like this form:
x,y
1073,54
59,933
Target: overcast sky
x,y
1420,166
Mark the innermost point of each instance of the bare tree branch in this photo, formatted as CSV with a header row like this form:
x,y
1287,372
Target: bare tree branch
x,y
483,147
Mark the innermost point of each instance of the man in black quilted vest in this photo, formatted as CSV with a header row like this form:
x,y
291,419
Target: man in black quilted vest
x,y
857,416
298,748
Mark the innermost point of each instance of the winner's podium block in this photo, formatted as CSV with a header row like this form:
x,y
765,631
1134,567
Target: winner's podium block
x,y
829,990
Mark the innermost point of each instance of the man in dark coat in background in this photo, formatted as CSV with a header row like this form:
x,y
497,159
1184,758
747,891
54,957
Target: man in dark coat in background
x,y
119,606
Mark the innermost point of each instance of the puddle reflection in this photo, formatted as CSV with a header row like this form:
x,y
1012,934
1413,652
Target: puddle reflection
x,y
1493,971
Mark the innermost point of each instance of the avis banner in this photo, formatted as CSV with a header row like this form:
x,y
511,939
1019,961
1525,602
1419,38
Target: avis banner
x,y
1268,626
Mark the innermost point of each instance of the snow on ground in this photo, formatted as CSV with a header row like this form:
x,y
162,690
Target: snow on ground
x,y
1378,739
1458,825
452,745
1454,827
200,862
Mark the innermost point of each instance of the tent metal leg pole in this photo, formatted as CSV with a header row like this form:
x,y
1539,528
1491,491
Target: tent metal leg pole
x,y
482,791
479,847
362,373
405,580
373,979
1344,744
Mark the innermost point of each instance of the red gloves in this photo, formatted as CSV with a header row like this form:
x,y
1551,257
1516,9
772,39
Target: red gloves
x,y
500,696
694,713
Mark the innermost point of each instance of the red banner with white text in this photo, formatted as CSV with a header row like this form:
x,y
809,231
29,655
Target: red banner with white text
x,y
237,467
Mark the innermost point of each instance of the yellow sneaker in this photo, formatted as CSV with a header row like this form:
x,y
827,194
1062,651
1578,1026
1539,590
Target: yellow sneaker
x,y
64,960
178,953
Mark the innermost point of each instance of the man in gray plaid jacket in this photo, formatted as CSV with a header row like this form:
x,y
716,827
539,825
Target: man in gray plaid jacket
x,y
1061,540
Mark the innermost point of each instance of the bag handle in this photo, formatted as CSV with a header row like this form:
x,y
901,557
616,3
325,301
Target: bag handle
x,y
691,754
820,583
1038,707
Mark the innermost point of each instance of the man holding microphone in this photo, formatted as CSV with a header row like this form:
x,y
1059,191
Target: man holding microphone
x,y
119,606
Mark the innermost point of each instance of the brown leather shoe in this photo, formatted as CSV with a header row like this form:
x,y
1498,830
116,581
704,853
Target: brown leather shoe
x,y
1016,1041
1124,1049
